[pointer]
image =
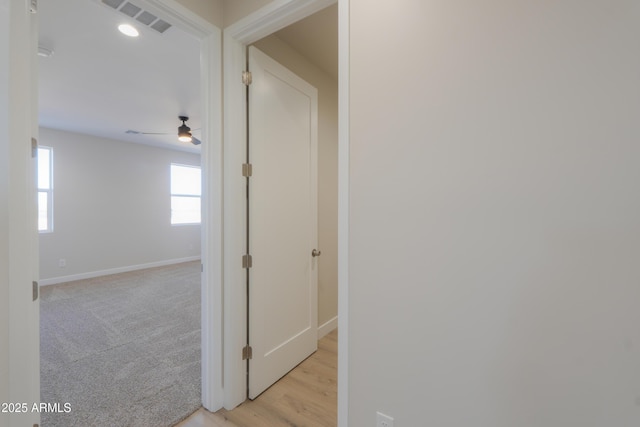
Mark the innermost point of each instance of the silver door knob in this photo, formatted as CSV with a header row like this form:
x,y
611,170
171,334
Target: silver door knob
x,y
315,253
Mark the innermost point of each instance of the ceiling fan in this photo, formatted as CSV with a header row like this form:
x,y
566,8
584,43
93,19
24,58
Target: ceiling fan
x,y
184,132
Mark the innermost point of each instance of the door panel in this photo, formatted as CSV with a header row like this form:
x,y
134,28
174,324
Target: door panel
x,y
282,221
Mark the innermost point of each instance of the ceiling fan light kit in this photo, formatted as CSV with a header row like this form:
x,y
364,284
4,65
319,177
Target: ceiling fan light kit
x,y
184,131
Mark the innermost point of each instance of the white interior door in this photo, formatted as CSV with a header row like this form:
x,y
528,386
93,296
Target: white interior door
x,y
282,221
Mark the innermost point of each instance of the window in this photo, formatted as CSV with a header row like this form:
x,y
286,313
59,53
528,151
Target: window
x,y
45,189
185,194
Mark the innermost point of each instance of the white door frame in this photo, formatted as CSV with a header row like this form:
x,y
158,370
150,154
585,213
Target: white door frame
x,y
276,15
210,38
23,318
343,210
22,244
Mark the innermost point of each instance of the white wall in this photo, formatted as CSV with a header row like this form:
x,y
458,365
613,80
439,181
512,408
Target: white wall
x,y
327,169
210,10
4,206
495,205
112,206
234,10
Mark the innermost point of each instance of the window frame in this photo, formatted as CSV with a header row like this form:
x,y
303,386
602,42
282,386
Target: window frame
x,y
184,195
48,191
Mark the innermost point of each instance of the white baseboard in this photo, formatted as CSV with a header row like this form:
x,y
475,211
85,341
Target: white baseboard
x,y
327,327
92,274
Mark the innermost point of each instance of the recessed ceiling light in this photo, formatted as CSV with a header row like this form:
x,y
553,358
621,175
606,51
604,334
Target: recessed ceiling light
x,y
128,30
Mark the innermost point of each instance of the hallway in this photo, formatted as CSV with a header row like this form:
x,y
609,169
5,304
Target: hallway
x,y
306,396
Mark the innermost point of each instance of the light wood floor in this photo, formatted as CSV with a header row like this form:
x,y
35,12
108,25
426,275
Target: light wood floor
x,y
306,397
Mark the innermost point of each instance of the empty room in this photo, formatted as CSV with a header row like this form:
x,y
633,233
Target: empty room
x,y
119,218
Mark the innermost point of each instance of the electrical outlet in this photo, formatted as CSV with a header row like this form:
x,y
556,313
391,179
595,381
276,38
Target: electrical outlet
x,y
383,420
62,263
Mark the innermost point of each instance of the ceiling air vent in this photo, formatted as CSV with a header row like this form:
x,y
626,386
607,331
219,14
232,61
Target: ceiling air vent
x,y
113,3
161,26
147,18
130,9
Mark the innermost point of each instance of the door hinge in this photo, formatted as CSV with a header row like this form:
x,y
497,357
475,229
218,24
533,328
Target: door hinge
x,y
247,261
36,290
34,148
247,353
247,169
247,78
33,6
201,268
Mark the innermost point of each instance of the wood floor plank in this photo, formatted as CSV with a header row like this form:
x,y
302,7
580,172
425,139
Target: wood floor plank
x,y
306,397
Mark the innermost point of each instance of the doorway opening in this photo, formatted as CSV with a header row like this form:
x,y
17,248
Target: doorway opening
x,y
237,38
141,163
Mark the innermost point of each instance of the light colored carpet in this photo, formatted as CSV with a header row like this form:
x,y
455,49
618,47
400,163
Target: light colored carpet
x,y
123,350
